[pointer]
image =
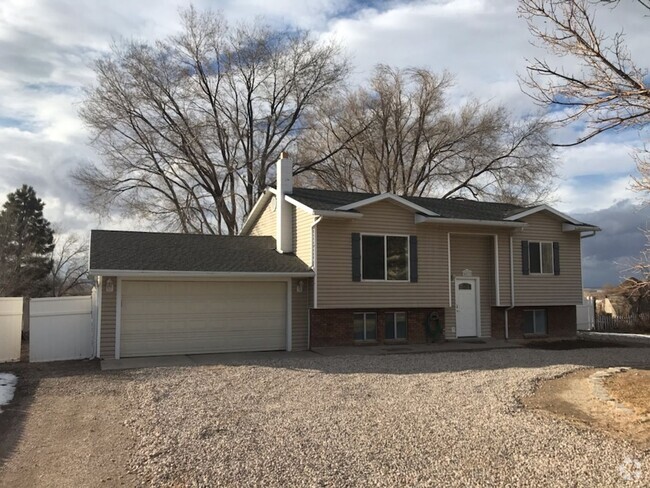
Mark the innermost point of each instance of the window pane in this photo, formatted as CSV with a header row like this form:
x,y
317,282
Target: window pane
x,y
529,321
540,321
400,318
371,326
372,249
389,328
547,257
535,265
398,258
358,327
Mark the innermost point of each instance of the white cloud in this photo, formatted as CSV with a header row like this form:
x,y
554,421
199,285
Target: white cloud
x,y
576,195
46,47
600,157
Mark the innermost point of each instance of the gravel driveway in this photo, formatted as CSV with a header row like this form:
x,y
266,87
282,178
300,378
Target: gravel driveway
x,y
450,419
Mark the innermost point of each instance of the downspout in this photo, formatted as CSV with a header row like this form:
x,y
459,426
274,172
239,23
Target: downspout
x,y
593,233
512,289
313,267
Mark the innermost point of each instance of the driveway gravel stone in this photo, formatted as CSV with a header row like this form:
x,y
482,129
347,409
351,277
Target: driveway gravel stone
x,y
452,419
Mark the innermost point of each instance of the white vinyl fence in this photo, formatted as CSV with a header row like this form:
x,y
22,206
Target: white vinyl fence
x,y
60,328
585,314
11,323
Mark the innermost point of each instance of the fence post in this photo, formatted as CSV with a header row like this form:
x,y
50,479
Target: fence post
x,y
25,321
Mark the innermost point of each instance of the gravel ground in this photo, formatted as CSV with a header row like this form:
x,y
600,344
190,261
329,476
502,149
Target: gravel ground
x,y
451,419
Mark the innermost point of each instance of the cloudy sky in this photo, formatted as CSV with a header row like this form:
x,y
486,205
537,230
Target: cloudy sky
x,y
47,46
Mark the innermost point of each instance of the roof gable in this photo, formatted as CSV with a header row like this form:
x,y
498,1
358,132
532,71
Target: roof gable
x,y
391,197
543,208
349,204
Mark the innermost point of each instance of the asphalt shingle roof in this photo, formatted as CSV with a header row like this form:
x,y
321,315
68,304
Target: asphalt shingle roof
x,y
455,208
153,251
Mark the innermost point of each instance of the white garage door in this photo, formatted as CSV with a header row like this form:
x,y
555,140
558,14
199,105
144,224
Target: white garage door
x,y
167,317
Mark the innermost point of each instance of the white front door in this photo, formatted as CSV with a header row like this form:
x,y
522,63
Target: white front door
x,y
467,307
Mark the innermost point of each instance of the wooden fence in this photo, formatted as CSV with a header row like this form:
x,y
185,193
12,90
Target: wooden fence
x,y
631,323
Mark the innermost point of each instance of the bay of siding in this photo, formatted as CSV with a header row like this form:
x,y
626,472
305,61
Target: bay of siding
x,y
265,224
107,332
565,289
302,235
300,303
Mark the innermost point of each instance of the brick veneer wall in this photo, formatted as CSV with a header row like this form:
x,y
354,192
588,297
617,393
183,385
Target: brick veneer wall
x,y
561,321
335,327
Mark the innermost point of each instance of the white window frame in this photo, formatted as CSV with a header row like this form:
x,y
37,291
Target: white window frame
x,y
406,319
365,327
541,262
533,310
408,257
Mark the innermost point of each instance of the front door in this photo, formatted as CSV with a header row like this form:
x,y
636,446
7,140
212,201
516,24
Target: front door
x,y
467,307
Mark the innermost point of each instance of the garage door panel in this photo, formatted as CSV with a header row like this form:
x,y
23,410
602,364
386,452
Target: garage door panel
x,y
200,317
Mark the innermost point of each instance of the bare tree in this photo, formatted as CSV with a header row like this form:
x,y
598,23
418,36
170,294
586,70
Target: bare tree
x,y
605,88
70,263
189,128
399,135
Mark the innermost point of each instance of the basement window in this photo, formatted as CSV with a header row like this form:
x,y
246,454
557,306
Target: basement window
x,y
365,326
535,322
395,327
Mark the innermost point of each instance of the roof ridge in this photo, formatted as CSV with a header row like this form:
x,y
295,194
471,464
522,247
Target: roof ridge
x,y
437,199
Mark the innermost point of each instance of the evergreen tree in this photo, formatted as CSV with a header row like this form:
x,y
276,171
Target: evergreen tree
x,y
26,245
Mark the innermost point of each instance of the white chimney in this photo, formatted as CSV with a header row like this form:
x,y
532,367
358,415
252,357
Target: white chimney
x,y
284,224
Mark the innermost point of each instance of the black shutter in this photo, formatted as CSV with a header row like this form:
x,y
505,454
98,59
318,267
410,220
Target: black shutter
x,y
525,261
556,258
413,258
356,257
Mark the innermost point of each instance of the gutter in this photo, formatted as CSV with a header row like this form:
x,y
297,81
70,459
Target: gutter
x,y
128,273
419,219
593,233
314,248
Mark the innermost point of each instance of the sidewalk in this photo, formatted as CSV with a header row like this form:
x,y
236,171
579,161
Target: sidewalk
x,y
371,350
446,346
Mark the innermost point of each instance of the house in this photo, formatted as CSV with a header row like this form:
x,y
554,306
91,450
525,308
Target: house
x,y
325,268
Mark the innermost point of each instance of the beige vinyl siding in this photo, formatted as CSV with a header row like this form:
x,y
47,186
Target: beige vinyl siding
x,y
565,289
476,254
107,326
335,287
265,224
302,235
504,267
300,304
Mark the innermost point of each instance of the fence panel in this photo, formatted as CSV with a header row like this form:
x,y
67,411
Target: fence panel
x,y
11,322
585,314
639,323
60,329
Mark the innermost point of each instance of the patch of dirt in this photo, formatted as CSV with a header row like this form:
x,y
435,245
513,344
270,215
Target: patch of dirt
x,y
568,344
632,388
572,398
65,428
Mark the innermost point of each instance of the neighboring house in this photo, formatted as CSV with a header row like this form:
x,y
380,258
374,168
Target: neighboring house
x,y
324,268
605,306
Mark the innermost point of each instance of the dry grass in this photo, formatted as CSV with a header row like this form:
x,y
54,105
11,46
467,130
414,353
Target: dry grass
x,y
633,389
